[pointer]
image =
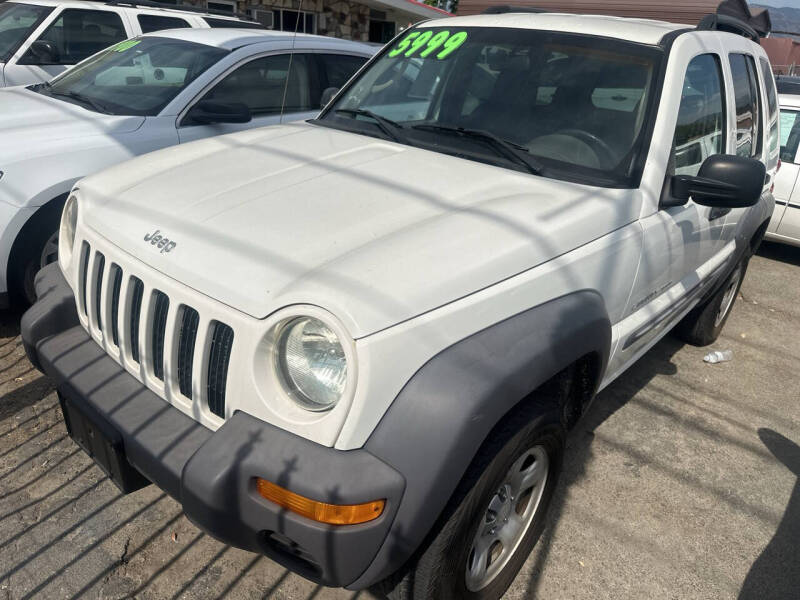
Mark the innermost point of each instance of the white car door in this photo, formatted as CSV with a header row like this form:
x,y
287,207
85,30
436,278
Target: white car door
x,y
68,37
261,85
681,243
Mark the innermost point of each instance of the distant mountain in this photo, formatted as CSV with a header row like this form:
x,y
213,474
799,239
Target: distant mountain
x,y
784,20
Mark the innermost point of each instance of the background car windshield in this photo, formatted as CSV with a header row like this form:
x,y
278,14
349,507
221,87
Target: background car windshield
x,y
575,103
135,77
16,23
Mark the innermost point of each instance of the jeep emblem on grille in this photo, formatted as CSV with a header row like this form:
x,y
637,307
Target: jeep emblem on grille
x,y
160,241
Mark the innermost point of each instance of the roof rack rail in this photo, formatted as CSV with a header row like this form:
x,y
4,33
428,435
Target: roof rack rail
x,y
507,8
181,7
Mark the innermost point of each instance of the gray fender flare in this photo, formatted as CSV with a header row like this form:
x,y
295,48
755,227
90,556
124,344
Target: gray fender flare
x,y
443,414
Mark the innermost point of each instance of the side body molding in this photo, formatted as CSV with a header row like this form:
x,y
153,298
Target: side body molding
x,y
436,424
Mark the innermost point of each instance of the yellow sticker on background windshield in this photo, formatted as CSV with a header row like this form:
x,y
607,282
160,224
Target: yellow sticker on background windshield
x,y
442,41
126,45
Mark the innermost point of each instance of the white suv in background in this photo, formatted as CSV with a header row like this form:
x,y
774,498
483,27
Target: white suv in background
x,y
41,38
157,90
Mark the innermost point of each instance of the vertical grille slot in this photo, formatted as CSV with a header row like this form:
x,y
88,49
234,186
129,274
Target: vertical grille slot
x,y
186,342
136,312
160,310
84,274
98,288
218,359
115,290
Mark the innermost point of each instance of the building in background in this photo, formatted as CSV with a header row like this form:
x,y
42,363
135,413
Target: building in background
x,y
361,20
675,11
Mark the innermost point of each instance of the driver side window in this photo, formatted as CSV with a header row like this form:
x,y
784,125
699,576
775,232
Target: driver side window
x,y
261,85
700,131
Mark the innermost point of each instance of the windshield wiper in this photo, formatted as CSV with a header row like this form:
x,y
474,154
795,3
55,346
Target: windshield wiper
x,y
389,127
510,150
85,100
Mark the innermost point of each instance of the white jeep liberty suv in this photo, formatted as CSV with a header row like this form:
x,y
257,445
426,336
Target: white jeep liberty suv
x,y
356,344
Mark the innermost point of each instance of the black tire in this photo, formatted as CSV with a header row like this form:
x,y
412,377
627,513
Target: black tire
x,y
26,254
439,571
704,323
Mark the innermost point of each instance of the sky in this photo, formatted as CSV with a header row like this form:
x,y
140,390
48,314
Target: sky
x,y
779,3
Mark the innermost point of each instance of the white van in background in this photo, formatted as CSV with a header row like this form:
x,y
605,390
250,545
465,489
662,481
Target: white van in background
x,y
41,38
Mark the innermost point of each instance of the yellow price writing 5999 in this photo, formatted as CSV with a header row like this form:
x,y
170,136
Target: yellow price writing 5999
x,y
429,42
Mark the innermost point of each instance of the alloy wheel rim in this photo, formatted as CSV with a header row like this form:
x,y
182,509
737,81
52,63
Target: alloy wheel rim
x,y
507,518
728,297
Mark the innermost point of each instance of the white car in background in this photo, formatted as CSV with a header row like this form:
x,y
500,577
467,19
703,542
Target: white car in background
x,y
785,223
41,38
141,95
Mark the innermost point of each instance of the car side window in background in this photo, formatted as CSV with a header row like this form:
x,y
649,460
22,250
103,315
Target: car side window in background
x,y
700,131
746,97
338,68
17,21
790,135
77,34
261,82
772,108
150,23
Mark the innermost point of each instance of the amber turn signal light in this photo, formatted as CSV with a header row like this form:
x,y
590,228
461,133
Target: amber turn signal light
x,y
333,514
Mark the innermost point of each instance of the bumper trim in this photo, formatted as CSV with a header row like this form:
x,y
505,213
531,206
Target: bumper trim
x,y
212,474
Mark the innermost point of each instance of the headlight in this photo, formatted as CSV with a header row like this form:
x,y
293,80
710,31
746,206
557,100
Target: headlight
x,y
311,363
66,233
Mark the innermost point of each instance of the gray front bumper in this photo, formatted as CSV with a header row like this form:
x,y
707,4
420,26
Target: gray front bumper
x,y
212,474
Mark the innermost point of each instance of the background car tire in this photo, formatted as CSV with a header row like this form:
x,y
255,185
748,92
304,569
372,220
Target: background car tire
x,y
26,254
704,323
439,572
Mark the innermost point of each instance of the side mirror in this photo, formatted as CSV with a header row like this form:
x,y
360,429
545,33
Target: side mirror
x,y
724,181
41,52
327,96
206,112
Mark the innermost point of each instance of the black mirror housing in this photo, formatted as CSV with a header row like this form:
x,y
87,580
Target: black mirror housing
x,y
327,96
207,112
724,181
41,52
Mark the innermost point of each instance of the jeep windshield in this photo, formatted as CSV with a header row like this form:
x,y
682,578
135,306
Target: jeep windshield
x,y
135,77
17,21
567,106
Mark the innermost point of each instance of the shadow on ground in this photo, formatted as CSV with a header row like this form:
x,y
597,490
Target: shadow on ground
x,y
776,572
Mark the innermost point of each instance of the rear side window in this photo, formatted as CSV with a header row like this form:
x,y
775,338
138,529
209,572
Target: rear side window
x,y
772,107
700,131
150,23
77,34
745,89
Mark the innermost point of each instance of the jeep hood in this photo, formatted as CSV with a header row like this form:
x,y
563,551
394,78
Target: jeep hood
x,y
374,231
32,124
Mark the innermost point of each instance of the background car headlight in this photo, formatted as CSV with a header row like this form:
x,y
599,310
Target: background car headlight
x,y
311,363
66,233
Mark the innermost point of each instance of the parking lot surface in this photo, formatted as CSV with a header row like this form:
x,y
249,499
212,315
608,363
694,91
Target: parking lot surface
x,y
681,482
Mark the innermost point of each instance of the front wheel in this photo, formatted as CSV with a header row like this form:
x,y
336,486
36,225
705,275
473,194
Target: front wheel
x,y
704,323
36,247
495,517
